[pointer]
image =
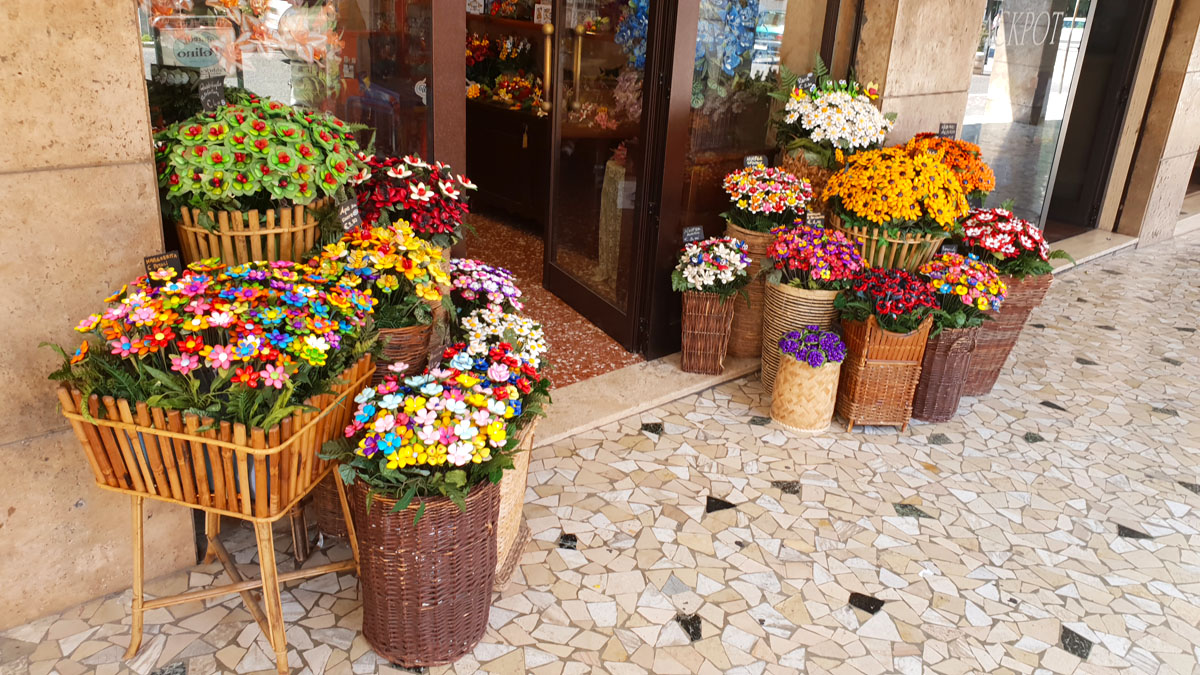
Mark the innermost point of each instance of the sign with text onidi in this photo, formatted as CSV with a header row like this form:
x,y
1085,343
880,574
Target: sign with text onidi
x,y
160,260
814,219
348,214
754,160
193,41
948,130
212,92
692,233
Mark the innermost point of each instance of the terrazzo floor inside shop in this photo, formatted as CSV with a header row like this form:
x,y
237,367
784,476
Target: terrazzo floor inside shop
x,y
1053,527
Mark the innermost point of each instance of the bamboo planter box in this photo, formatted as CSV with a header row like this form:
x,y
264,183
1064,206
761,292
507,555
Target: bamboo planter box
x,y
943,374
285,233
998,336
706,320
880,373
746,331
804,396
881,250
787,308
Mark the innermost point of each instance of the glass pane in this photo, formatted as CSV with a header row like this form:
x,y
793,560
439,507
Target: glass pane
x,y
366,61
1022,78
602,49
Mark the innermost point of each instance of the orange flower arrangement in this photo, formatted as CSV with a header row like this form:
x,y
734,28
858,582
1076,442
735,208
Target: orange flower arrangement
x,y
891,188
963,158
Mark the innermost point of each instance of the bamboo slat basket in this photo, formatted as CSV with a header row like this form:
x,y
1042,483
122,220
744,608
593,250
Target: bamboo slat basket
x,y
997,337
404,345
426,588
327,508
509,544
285,233
706,319
746,332
880,373
785,309
817,177
943,374
883,251
804,396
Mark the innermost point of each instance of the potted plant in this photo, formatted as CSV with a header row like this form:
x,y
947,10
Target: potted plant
x,y
1021,255
404,274
811,265
806,389
886,316
900,206
823,121
475,285
974,175
709,273
761,199
967,289
243,175
430,198
424,458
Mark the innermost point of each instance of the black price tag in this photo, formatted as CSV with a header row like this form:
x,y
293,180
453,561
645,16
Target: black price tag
x,y
160,260
948,130
755,160
948,247
348,215
212,92
814,219
692,233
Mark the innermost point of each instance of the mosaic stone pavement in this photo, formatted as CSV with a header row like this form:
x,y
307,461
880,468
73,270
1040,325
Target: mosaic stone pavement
x,y
1053,527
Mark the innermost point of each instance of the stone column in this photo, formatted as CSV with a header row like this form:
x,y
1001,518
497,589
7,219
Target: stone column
x,y
1027,44
80,211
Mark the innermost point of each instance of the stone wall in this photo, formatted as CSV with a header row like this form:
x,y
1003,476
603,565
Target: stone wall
x,y
80,211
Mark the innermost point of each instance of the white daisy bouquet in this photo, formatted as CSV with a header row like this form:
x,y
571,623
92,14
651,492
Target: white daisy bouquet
x,y
487,328
717,265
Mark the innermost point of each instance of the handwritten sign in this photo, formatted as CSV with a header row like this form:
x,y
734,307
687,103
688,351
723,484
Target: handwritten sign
x,y
543,13
212,92
948,247
348,214
948,130
160,260
755,160
692,233
814,219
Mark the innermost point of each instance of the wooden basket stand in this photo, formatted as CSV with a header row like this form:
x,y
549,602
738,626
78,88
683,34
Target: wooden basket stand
x,y
907,251
880,373
745,335
285,233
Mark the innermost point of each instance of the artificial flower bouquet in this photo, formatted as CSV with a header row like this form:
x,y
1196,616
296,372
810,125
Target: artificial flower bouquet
x,y
716,265
762,198
1014,245
475,285
966,289
813,346
806,389
893,190
813,258
430,198
240,344
974,175
899,301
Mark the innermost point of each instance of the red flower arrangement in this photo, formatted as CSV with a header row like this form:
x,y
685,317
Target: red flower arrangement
x,y
1014,245
898,300
431,197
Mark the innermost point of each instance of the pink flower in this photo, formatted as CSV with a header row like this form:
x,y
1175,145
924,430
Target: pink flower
x,y
498,372
121,347
220,356
220,319
425,417
143,316
185,363
481,418
398,367
428,434
274,376
385,424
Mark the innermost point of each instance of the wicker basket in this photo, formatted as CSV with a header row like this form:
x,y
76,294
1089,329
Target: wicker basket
x,y
804,396
883,251
943,374
817,177
286,233
512,507
746,334
426,588
706,319
880,373
403,345
229,469
327,508
787,308
997,337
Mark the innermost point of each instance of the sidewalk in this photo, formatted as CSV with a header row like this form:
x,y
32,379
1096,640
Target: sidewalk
x,y
1053,525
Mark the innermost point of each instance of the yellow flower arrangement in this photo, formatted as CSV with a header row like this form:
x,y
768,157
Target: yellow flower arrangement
x,y
888,187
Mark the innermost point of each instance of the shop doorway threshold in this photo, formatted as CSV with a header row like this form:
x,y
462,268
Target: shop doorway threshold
x,y
606,398
1091,246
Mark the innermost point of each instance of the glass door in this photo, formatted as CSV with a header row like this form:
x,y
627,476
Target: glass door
x,y
599,147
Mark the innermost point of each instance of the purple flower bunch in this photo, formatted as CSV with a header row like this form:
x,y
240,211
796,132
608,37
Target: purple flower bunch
x,y
813,346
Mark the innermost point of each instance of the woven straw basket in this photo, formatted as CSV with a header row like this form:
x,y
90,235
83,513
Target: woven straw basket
x,y
785,309
816,176
426,588
746,334
286,233
706,319
327,509
943,374
880,373
883,251
804,396
510,544
997,337
404,345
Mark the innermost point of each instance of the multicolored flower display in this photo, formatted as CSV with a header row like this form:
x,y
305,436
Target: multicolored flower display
x,y
431,198
632,30
828,119
963,158
486,328
814,257
966,289
237,343
898,300
813,346
246,155
890,188
763,198
716,265
1014,245
475,285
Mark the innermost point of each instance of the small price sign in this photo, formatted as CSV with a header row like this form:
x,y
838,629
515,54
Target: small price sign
x,y
814,219
948,130
543,13
755,160
348,214
212,92
692,233
160,260
948,247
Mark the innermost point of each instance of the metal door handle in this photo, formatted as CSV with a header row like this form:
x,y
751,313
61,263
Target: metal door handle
x,y
548,31
575,105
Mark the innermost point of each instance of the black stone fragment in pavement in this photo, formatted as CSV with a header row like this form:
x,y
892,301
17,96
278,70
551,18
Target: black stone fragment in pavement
x,y
715,504
1174,362
1033,437
1075,643
866,603
1038,325
1185,329
1085,362
653,427
788,487
939,439
1194,487
910,510
1165,411
177,668
690,623
568,541
1053,406
759,420
1106,327
1131,533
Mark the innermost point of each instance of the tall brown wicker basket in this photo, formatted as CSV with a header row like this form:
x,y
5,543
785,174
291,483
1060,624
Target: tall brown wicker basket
x,y
787,308
426,588
327,509
905,251
816,176
997,337
405,345
285,233
746,334
880,373
943,374
804,396
706,319
511,533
